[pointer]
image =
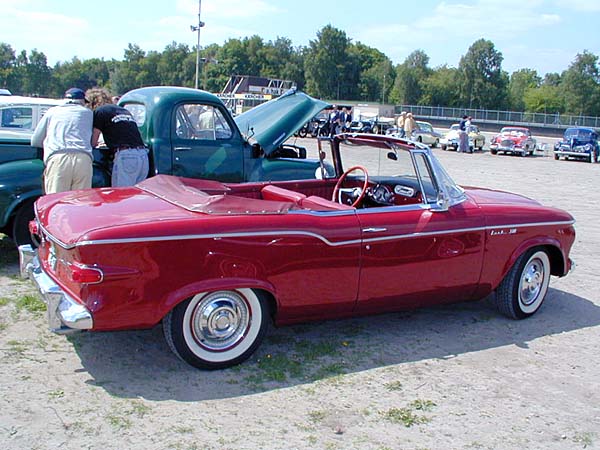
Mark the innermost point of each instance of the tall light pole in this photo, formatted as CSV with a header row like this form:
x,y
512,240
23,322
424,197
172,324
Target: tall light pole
x,y
197,29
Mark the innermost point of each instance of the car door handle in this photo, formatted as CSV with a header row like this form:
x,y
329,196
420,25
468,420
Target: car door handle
x,y
181,149
374,230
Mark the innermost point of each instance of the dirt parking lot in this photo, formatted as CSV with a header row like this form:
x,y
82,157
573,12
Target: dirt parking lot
x,y
454,377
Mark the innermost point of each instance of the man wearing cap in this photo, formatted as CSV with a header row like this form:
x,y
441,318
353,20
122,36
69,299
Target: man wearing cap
x,y
65,133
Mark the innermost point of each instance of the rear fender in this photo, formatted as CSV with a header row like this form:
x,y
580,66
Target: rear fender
x,y
185,292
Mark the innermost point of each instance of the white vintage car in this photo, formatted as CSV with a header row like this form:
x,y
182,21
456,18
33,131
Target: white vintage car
x,y
20,115
450,140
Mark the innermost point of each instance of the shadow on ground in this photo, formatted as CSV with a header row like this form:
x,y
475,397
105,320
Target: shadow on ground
x,y
139,363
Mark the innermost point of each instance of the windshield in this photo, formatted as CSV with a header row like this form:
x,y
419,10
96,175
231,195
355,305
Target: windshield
x,y
513,131
579,134
391,165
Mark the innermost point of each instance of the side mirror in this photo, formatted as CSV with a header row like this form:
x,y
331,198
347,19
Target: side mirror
x,y
392,156
442,202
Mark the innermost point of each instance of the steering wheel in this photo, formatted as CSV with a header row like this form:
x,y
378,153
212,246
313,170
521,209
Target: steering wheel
x,y
338,185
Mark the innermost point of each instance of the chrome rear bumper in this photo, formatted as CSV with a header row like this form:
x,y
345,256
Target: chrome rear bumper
x,y
64,314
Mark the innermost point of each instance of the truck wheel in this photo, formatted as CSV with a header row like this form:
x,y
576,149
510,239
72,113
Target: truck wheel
x,y
20,231
523,289
215,330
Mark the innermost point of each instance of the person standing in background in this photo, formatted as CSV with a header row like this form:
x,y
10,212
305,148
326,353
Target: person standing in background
x,y
463,135
65,133
410,124
400,124
121,135
334,121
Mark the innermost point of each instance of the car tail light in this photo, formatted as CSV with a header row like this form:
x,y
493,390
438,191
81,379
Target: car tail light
x,y
85,274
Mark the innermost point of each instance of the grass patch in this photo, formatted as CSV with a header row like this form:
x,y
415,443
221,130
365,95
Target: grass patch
x,y
57,393
405,416
408,416
30,303
393,386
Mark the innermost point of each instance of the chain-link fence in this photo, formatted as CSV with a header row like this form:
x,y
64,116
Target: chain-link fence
x,y
556,120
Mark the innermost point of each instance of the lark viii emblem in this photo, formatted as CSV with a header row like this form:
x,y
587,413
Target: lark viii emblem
x,y
503,232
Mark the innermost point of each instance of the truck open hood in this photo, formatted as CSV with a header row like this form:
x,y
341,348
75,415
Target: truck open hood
x,y
274,122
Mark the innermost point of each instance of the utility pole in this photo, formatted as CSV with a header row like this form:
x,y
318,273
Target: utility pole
x,y
197,29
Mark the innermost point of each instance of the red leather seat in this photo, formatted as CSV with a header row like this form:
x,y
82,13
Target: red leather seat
x,y
320,204
271,192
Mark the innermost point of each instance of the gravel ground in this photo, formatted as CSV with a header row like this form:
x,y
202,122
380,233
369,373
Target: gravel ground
x,y
454,377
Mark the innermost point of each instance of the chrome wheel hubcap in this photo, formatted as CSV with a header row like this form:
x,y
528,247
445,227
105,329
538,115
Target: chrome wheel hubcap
x,y
220,320
532,281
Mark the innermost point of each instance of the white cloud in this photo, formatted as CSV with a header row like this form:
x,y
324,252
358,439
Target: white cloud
x,y
497,20
579,5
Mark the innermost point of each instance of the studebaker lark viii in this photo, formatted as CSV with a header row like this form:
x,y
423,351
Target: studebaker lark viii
x,y
216,262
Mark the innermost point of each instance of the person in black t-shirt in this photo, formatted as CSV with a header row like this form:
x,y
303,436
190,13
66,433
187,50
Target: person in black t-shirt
x,y
121,134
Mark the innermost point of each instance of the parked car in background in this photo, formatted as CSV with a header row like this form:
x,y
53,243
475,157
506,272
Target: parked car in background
x,y
513,140
426,134
450,140
578,143
20,115
216,262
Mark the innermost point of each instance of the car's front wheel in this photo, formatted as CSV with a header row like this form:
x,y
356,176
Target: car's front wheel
x,y
523,289
215,330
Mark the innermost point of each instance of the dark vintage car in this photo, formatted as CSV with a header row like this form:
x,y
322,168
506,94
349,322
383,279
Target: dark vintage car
x,y
578,143
217,262
514,141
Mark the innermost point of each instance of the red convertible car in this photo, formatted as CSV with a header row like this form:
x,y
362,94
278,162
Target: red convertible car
x,y
513,140
216,263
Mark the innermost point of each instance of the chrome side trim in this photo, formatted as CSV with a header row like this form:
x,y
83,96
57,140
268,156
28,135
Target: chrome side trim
x,y
280,233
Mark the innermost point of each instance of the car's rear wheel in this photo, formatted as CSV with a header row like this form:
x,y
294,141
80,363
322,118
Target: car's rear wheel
x,y
215,330
20,230
556,157
523,289
444,147
494,152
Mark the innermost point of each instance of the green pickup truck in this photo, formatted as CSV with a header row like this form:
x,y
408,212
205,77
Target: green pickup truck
x,y
189,133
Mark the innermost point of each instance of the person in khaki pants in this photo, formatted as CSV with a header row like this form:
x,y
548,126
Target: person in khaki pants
x,y
65,133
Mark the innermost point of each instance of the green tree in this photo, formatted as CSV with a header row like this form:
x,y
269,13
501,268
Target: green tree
x,y
410,76
442,87
483,82
580,85
8,60
520,82
544,99
326,63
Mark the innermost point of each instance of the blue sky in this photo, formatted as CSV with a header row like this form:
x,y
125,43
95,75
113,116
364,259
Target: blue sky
x,y
545,35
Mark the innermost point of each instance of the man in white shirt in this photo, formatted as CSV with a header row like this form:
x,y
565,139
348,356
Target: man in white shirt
x,y
65,133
